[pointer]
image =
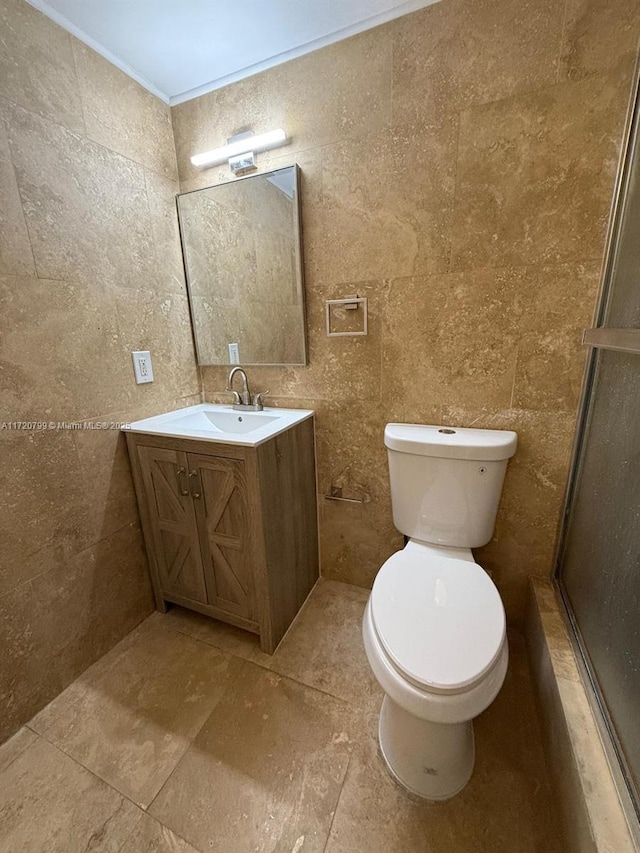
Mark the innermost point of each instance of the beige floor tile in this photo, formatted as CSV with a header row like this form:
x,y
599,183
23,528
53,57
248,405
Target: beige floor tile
x,y
150,836
506,808
15,746
49,803
264,773
324,649
131,720
225,637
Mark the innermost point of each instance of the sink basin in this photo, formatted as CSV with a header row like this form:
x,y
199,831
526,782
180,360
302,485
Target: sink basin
x,y
239,422
224,424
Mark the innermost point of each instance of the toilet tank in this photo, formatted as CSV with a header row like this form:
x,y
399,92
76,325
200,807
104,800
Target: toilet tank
x,y
446,482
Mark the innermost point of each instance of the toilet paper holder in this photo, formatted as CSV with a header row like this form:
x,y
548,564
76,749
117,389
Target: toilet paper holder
x,y
336,495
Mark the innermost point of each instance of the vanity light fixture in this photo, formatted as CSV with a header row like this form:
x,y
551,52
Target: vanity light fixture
x,y
244,143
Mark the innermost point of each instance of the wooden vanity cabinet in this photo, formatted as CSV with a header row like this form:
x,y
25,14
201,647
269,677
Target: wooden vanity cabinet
x,y
230,530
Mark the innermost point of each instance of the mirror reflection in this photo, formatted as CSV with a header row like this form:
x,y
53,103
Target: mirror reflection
x,y
243,259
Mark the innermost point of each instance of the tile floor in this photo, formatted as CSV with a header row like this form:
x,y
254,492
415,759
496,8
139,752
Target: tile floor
x,y
186,738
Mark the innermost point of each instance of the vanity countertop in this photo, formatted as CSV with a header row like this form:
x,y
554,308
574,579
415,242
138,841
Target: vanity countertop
x,y
222,424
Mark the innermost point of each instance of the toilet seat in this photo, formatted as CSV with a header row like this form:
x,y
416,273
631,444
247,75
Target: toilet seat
x,y
439,619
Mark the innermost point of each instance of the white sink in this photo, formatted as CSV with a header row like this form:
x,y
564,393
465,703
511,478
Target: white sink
x,y
211,422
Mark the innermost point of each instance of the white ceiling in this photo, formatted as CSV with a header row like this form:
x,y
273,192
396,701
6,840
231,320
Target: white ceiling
x,y
179,49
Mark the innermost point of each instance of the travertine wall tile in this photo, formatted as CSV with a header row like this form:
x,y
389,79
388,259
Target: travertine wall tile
x,y
50,332
597,34
89,270
458,53
463,330
37,69
16,257
123,116
73,189
165,236
535,173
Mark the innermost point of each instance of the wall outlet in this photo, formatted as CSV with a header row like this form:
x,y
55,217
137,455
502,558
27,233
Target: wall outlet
x,y
234,354
142,366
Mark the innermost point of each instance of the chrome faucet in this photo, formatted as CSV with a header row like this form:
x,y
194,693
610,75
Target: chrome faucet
x,y
242,400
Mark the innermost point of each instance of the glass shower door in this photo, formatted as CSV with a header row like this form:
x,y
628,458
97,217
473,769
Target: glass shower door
x,y
599,559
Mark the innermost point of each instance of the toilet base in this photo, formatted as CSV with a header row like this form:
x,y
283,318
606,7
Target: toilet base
x,y
431,760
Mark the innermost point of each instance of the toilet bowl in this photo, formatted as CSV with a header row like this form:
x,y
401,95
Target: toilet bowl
x,y
434,628
435,636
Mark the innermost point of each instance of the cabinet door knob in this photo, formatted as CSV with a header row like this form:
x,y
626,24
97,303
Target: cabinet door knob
x,y
196,488
183,485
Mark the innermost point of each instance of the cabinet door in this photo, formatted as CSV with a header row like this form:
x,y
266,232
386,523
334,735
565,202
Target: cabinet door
x,y
225,535
173,522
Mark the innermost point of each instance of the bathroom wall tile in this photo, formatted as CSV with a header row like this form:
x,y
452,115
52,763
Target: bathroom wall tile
x,y
73,189
104,463
560,304
48,802
169,679
356,541
524,539
460,53
355,98
535,174
161,193
597,34
60,622
386,205
158,322
123,116
51,332
26,684
41,480
37,69
4,141
453,337
16,257
323,648
265,771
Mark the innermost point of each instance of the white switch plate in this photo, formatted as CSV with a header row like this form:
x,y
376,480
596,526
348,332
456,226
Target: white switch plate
x,y
142,366
234,354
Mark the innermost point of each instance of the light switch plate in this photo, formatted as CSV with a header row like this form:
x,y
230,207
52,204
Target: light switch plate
x,y
234,354
142,366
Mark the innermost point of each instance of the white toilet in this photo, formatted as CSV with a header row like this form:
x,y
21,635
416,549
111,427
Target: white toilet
x,y
434,627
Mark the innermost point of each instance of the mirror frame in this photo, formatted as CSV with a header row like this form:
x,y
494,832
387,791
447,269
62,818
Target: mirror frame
x,y
299,266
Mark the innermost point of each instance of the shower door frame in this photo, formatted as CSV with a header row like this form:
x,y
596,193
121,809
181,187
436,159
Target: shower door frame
x,y
629,797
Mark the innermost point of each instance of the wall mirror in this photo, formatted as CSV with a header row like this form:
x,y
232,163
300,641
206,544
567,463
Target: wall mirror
x,y
242,251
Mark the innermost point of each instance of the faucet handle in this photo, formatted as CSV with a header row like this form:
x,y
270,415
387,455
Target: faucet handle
x,y
257,398
236,396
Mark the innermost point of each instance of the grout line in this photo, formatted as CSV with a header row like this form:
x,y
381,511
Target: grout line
x,y
513,384
232,679
454,197
335,811
563,28
95,775
72,42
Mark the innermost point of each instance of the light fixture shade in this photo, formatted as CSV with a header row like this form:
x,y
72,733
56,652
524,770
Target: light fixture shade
x,y
261,142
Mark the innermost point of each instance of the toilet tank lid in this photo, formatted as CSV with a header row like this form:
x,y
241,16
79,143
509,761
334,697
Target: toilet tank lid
x,y
447,442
